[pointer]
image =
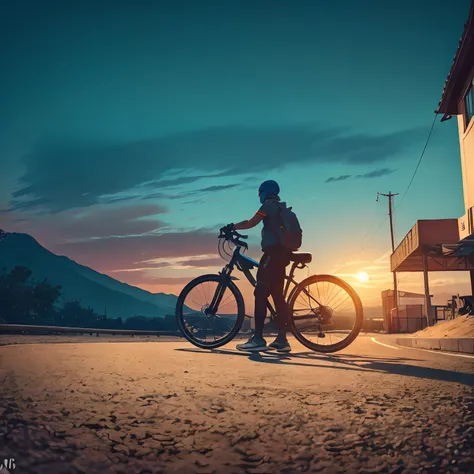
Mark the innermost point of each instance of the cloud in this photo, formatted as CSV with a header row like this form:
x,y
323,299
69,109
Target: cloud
x,y
171,280
175,263
141,267
212,189
114,200
343,177
144,279
384,258
118,253
101,221
63,174
376,173
194,201
209,189
371,174
104,221
204,263
173,183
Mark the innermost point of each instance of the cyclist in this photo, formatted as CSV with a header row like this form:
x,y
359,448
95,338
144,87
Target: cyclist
x,y
271,271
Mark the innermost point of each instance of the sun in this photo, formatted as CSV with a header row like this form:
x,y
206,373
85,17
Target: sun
x,y
362,276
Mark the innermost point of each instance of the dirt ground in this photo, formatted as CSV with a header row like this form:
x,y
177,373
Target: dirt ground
x,y
463,326
166,407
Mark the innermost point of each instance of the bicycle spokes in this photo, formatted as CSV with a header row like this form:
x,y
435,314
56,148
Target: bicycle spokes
x,y
323,311
211,311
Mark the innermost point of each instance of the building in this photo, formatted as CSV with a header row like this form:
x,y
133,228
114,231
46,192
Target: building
x,y
409,317
448,244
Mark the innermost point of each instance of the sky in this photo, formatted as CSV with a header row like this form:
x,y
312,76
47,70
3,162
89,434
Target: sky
x,y
131,131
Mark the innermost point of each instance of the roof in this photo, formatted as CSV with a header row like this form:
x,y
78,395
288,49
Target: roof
x,y
402,294
463,248
448,105
438,240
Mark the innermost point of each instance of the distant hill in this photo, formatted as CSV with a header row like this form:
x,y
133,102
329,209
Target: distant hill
x,y
81,283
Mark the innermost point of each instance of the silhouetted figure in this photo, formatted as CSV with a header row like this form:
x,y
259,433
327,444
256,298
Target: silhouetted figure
x,y
278,242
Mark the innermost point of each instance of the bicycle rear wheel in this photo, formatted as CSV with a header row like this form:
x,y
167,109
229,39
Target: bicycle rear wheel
x,y
327,313
204,330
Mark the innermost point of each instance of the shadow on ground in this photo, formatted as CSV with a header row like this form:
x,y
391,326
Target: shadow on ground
x,y
396,366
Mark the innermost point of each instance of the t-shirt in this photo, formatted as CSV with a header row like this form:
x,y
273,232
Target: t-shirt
x,y
270,211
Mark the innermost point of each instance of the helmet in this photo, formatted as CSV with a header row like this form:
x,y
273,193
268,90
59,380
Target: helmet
x,y
268,188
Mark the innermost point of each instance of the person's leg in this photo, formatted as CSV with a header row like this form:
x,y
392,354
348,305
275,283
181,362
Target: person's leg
x,y
282,310
262,292
261,298
276,289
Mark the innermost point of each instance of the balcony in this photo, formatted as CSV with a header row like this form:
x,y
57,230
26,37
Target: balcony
x,y
431,237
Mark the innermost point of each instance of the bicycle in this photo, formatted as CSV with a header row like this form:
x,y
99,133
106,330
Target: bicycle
x,y
320,321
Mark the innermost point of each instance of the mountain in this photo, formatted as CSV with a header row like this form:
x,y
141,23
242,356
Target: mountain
x,y
81,283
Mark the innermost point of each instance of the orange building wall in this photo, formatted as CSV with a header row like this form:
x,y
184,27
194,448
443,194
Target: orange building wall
x,y
466,145
466,148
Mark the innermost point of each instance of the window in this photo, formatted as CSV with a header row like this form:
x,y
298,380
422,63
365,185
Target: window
x,y
469,105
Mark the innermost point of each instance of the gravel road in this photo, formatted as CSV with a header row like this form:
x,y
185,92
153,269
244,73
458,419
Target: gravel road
x,y
166,407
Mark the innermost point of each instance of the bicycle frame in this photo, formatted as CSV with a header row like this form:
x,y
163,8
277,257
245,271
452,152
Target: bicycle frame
x,y
320,314
245,264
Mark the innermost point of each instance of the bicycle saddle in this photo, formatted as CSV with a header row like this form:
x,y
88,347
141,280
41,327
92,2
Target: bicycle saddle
x,y
301,257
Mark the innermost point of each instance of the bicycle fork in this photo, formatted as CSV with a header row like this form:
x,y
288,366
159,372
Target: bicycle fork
x,y
219,294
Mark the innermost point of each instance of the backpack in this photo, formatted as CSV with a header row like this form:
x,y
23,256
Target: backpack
x,y
290,233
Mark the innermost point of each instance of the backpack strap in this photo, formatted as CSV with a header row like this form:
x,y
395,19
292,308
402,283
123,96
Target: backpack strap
x,y
274,224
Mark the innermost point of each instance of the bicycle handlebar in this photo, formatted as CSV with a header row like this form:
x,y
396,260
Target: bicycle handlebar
x,y
234,237
241,236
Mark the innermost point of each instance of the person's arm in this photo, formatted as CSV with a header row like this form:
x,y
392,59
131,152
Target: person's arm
x,y
249,223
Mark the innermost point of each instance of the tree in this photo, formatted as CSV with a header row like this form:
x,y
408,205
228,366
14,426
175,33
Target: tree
x,y
44,297
25,302
71,313
141,323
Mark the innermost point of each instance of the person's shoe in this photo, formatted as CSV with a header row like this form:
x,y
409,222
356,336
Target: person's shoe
x,y
254,344
280,345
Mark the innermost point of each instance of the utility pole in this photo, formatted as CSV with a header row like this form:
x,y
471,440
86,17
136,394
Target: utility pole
x,y
390,197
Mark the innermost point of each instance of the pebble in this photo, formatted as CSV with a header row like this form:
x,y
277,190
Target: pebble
x,y
313,430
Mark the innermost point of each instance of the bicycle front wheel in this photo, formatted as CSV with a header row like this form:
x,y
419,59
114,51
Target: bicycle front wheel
x,y
327,313
204,330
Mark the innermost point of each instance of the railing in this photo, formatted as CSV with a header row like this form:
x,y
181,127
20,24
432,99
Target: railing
x,y
26,328
408,325
442,313
410,319
373,325
52,330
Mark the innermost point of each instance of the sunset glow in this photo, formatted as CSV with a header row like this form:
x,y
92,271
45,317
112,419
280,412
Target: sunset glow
x,y
363,277
149,180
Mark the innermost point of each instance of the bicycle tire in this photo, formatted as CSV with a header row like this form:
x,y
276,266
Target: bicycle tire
x,y
359,313
240,315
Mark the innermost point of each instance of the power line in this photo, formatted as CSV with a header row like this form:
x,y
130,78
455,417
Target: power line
x,y
390,197
373,233
364,244
419,161
394,223
404,278
370,231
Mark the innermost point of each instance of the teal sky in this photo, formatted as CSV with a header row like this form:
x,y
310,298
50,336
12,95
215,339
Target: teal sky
x,y
130,131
